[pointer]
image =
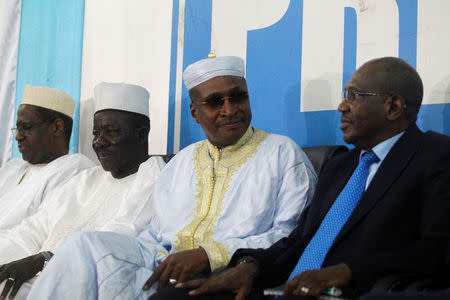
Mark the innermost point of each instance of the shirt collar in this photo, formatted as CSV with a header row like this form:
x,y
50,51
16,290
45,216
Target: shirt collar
x,y
383,148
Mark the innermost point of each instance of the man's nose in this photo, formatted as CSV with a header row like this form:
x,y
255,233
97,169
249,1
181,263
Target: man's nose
x,y
99,141
228,108
19,136
343,106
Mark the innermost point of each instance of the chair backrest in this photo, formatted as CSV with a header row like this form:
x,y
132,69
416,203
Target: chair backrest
x,y
319,155
165,157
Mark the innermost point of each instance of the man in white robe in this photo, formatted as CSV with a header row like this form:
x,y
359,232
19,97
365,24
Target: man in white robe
x,y
121,186
44,125
240,187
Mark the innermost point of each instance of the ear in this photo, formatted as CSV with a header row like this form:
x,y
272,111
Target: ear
x,y
395,107
58,127
194,112
142,134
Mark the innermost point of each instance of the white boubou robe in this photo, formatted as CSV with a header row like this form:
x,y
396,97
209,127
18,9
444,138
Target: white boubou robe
x,y
23,186
249,194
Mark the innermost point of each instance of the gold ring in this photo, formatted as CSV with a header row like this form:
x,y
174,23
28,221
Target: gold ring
x,y
12,279
304,290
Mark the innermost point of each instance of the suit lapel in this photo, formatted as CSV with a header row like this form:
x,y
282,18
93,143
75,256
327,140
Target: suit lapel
x,y
390,169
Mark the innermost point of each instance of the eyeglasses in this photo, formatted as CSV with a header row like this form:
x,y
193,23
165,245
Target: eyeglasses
x,y
216,102
25,130
350,95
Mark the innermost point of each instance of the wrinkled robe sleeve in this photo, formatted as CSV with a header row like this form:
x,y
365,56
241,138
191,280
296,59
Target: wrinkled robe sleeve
x,y
296,188
152,249
28,237
24,239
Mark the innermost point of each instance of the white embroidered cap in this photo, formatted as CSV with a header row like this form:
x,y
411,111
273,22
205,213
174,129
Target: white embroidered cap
x,y
208,68
121,96
49,98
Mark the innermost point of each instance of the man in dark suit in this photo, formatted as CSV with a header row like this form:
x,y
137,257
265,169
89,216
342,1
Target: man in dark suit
x,y
401,222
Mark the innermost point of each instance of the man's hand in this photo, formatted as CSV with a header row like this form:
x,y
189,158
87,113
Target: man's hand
x,y
17,272
180,266
237,280
314,282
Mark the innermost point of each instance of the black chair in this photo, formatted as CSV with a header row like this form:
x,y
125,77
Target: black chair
x,y
165,157
319,155
393,282
414,283
410,287
413,286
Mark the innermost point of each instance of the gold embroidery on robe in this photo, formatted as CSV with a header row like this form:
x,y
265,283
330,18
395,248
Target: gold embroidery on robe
x,y
214,172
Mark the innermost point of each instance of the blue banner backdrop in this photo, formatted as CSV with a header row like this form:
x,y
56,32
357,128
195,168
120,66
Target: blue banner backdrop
x,y
273,65
50,49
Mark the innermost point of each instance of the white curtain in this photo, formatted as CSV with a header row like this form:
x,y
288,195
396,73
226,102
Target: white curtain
x,y
130,43
9,44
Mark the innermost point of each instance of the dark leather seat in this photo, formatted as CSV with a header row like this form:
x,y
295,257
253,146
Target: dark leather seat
x,y
165,157
319,155
415,283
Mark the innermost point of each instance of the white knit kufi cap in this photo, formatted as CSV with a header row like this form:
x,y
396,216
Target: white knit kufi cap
x,y
49,98
121,96
208,68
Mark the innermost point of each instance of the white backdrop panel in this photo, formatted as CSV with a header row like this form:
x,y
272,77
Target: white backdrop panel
x,y
127,41
230,25
9,37
433,50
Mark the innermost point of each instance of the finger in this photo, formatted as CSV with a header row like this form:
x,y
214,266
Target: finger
x,y
8,285
209,286
297,291
290,286
183,276
4,274
151,280
316,288
309,285
164,277
243,293
306,288
154,277
311,291
17,285
177,274
205,288
191,284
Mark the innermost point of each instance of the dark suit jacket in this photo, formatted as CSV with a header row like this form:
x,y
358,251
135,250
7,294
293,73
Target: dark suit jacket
x,y
401,223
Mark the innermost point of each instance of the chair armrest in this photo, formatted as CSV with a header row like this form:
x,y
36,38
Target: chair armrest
x,y
394,282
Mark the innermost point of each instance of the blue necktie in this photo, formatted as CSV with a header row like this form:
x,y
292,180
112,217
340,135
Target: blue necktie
x,y
317,249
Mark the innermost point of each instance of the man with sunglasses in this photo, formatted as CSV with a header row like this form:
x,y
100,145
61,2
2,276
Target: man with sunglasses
x,y
241,187
381,208
44,125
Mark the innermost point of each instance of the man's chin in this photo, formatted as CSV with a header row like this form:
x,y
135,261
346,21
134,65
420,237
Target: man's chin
x,y
28,158
231,140
106,165
234,133
349,139
227,137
